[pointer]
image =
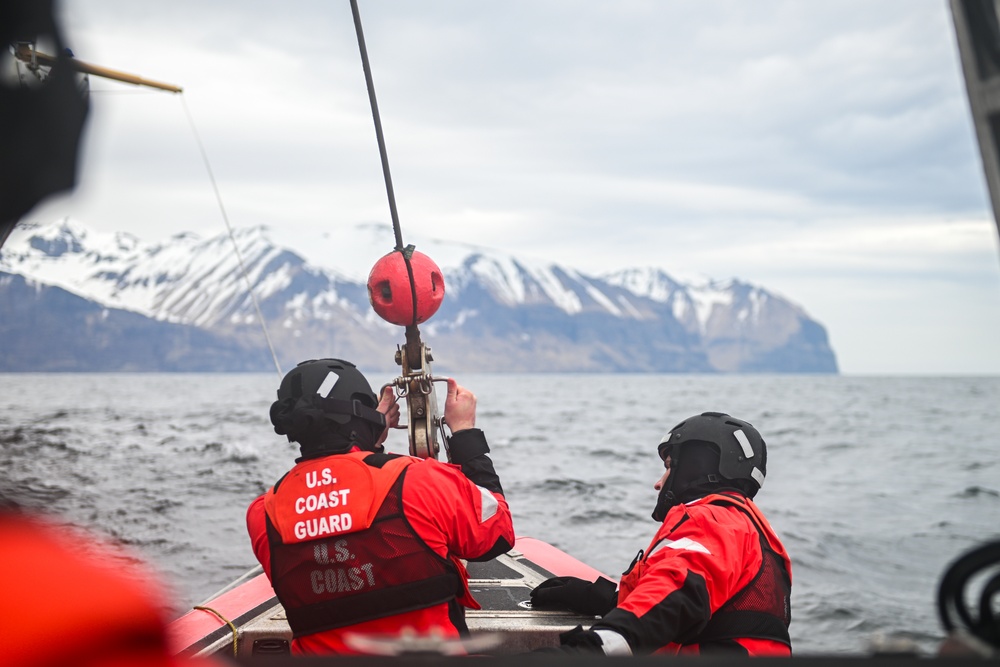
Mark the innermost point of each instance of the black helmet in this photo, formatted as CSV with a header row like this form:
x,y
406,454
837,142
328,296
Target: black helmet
x,y
328,407
708,453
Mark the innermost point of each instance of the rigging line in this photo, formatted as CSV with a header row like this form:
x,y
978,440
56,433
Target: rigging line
x,y
378,125
232,237
370,83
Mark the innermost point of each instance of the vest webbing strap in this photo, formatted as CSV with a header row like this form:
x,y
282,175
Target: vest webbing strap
x,y
736,624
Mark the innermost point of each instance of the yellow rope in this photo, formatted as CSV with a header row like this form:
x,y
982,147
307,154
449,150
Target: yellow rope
x,y
227,622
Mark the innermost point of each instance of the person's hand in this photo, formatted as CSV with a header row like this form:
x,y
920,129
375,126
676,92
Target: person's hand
x,y
584,597
575,642
459,408
388,406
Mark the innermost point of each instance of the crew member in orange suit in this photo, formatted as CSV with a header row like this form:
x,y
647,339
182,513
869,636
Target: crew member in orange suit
x,y
73,599
715,579
355,540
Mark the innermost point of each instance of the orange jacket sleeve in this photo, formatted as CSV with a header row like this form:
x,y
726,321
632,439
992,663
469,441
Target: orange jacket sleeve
x,y
698,560
460,508
257,528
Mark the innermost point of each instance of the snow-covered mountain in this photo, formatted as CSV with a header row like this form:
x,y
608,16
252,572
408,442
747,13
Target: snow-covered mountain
x,y
500,312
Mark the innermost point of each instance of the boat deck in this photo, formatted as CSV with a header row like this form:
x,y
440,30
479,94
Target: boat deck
x,y
505,625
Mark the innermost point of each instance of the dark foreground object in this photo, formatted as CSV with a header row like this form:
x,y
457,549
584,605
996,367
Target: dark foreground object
x,y
646,661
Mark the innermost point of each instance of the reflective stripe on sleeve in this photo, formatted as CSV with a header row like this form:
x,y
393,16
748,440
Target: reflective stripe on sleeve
x,y
612,642
490,504
683,544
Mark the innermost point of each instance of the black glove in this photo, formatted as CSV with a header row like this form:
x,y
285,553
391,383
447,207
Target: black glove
x,y
575,594
575,641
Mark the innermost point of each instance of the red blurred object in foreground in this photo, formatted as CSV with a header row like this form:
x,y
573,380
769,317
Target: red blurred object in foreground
x,y
390,293
73,600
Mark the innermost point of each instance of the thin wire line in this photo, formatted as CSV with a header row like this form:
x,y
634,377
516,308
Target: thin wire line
x,y
232,237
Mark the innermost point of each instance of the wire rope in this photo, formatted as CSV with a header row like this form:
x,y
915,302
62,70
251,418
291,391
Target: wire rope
x,y
232,236
383,154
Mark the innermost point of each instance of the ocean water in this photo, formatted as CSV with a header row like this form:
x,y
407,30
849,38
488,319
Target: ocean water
x,y
875,484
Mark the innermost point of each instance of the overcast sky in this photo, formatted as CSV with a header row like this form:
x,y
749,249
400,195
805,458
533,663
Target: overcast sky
x,y
821,150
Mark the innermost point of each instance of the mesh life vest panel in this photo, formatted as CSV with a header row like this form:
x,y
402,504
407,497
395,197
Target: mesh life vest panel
x,y
343,552
762,608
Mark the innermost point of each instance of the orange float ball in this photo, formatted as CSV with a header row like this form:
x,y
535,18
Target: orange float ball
x,y
390,293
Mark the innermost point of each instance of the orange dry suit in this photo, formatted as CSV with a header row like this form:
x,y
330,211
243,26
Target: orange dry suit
x,y
370,543
714,579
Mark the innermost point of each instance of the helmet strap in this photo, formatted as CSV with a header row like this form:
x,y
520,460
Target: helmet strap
x,y
354,408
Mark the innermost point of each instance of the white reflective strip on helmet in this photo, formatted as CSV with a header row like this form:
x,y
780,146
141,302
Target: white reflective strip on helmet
x,y
613,643
758,476
666,438
490,504
328,384
741,438
683,544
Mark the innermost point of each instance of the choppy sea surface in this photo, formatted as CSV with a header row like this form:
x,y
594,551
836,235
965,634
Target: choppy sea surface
x,y
875,484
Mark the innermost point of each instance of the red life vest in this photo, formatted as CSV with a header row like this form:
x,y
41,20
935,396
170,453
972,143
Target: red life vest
x,y
761,609
342,551
758,611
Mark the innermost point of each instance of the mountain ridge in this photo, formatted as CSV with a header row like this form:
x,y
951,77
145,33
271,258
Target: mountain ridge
x,y
500,312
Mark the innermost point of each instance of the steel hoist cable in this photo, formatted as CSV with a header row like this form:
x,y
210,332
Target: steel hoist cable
x,y
414,356
383,154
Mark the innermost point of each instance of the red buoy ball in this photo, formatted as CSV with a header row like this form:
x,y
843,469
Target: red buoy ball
x,y
389,288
